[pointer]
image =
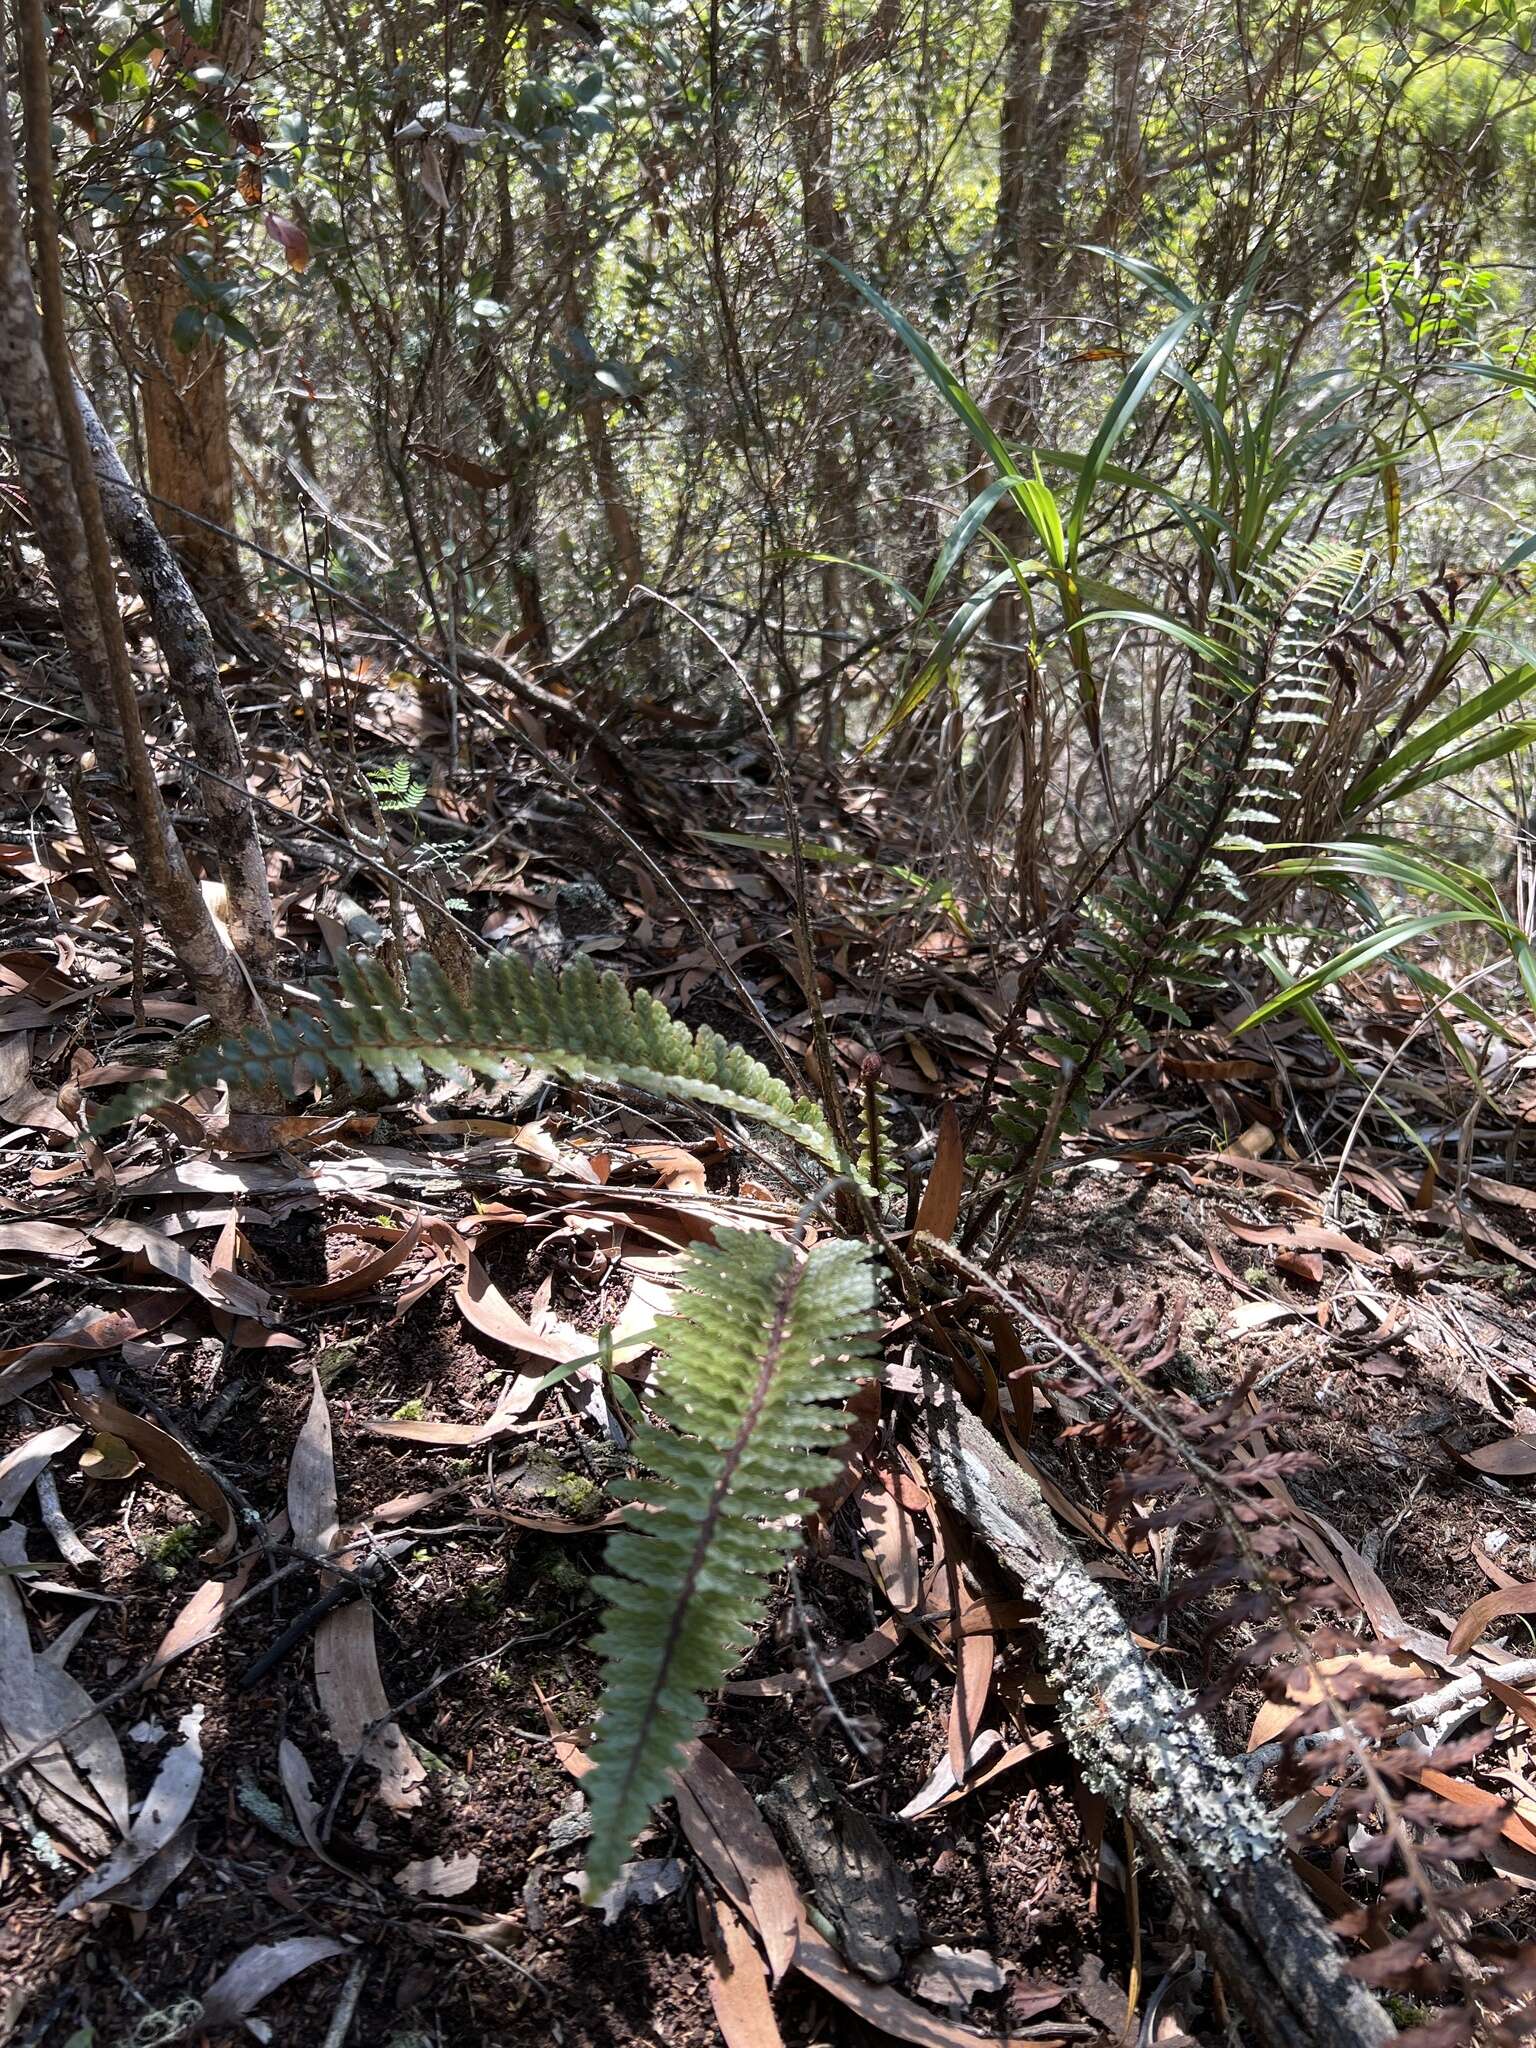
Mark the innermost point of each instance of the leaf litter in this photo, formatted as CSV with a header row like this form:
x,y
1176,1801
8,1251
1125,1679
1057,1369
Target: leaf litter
x,y
329,1349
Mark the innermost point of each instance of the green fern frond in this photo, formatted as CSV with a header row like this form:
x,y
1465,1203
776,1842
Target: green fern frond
x,y
395,785
875,1143
580,1024
771,1339
1149,935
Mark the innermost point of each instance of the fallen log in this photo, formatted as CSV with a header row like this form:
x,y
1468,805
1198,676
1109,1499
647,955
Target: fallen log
x,y
1137,1742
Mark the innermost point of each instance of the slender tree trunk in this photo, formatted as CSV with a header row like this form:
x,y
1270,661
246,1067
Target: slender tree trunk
x,y
192,665
184,392
515,458
37,388
184,397
612,494
1042,111
38,443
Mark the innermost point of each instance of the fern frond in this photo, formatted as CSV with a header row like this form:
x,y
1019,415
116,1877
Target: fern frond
x,y
1226,805
580,1024
771,1338
874,1141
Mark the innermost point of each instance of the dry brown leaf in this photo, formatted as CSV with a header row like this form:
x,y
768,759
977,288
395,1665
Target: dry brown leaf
x,y
968,1700
1508,1193
991,1755
1514,1457
891,1539
1518,1703
312,1513
219,1290
946,1778
939,1209
1257,1315
1305,1687
836,1664
19,1468
732,1840
89,1331
1304,1237
108,1459
256,1973
1511,1825
44,1240
36,1699
440,1877
518,1394
1491,1568
298,1783
488,1310
1307,1268
955,1977
356,1707
1479,1231
738,1985
365,1273
1201,1069
167,1805
673,1165
90,1740
649,1300
1480,1616
879,2006
203,1616
171,1463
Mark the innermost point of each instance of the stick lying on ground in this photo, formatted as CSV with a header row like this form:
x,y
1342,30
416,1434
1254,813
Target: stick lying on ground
x,y
1137,1742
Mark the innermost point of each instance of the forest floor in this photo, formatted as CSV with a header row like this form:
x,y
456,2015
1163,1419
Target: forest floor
x,y
345,1806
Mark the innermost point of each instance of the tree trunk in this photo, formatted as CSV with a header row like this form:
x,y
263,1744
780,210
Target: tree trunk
x,y
193,668
38,392
1042,113
184,396
184,392
623,537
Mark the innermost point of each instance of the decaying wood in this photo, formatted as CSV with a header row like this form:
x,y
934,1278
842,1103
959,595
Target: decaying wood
x,y
857,1882
1137,1742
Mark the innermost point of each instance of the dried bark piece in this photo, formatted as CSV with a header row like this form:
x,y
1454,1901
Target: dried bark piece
x,y
858,1884
1139,1745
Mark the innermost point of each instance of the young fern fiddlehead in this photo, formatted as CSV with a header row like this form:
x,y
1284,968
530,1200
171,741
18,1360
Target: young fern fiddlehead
x,y
753,1371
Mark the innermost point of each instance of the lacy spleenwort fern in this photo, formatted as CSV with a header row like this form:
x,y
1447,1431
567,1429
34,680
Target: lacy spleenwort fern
x,y
771,1340
580,1024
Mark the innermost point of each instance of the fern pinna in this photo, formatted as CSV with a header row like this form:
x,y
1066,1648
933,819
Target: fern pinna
x,y
580,1024
752,1374
1257,703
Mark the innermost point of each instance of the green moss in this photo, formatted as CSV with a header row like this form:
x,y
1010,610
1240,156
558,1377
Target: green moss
x,y
576,1495
408,1411
179,1546
332,1360
563,1573
483,1603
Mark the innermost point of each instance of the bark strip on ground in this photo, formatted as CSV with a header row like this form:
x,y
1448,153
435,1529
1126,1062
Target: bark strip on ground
x,y
1138,1743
